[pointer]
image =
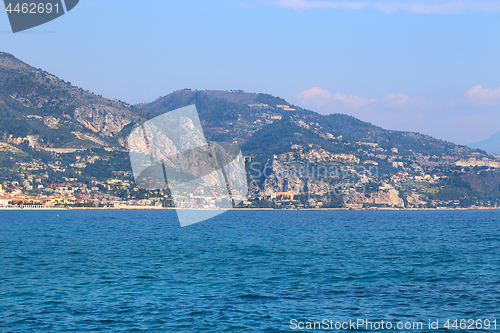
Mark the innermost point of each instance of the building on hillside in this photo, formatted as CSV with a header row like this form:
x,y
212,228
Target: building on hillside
x,y
285,195
285,107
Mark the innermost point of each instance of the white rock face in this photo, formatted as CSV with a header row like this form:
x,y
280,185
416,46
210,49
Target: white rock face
x,y
192,165
472,162
101,119
190,135
388,197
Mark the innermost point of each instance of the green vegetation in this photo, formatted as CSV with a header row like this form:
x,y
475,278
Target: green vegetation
x,y
40,112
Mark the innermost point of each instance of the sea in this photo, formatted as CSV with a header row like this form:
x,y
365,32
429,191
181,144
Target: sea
x,y
250,271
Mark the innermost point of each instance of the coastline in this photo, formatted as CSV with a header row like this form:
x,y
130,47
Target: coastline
x,y
244,209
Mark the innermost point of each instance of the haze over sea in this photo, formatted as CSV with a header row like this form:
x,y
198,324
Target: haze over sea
x,y
255,271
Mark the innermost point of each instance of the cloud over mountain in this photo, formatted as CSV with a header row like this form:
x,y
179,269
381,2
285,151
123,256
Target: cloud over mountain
x,y
469,117
481,95
421,7
320,97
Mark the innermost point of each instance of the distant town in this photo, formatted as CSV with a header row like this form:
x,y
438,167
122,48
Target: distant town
x,y
306,177
64,147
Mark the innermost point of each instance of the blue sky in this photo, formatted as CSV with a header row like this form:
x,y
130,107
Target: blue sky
x,y
426,66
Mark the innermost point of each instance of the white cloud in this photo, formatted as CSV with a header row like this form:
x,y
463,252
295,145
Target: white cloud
x,y
316,97
315,92
353,102
397,100
302,4
481,95
321,97
422,7
470,118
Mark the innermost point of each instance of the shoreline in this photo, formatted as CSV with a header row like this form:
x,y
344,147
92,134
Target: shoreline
x,y
243,209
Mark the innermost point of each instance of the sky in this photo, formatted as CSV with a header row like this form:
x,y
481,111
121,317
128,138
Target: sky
x,y
425,66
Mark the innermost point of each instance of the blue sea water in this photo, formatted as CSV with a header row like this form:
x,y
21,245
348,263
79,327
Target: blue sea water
x,y
245,271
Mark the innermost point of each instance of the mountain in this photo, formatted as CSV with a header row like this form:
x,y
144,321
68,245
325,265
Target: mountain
x,y
490,145
266,125
51,113
57,138
226,116
281,141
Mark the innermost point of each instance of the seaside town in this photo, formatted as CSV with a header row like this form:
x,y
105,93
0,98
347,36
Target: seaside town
x,y
69,150
306,177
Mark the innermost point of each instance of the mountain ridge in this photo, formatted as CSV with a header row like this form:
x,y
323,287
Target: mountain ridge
x,y
490,145
36,103
57,133
22,88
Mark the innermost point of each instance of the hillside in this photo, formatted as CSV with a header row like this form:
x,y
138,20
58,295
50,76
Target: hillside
x,y
51,113
253,119
57,139
392,168
238,115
